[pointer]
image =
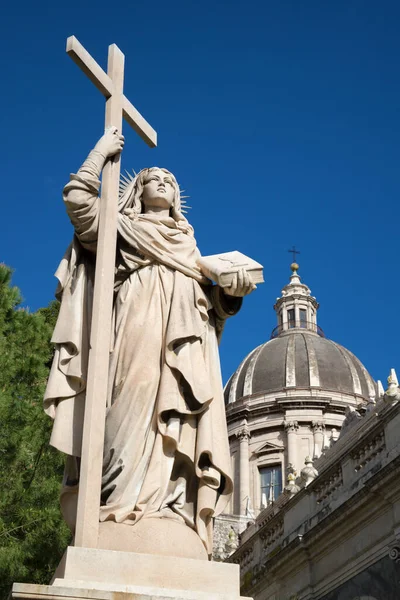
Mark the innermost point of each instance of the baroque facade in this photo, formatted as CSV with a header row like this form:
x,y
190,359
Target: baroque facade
x,y
313,439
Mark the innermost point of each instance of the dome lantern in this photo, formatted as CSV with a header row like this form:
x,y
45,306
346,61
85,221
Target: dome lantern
x,y
296,308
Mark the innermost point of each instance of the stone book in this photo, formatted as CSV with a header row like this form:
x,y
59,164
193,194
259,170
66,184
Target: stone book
x,y
222,267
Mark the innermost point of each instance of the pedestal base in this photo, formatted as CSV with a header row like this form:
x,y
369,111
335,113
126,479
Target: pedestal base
x,y
152,536
93,574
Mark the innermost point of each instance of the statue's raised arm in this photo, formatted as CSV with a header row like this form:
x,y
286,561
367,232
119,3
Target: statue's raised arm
x,y
81,192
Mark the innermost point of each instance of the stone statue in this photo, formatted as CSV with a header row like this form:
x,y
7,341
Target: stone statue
x,y
166,453
392,394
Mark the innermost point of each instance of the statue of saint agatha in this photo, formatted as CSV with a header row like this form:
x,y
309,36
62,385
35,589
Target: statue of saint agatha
x,y
166,453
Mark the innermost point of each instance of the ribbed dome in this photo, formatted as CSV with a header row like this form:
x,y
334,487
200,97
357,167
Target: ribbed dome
x,y
301,360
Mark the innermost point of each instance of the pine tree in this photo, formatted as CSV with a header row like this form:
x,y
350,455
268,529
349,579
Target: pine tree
x,y
33,535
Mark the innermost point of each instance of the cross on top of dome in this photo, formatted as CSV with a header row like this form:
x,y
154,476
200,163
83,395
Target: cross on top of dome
x,y
294,252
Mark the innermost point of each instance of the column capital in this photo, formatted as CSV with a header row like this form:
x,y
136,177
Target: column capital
x,y
243,434
291,426
318,426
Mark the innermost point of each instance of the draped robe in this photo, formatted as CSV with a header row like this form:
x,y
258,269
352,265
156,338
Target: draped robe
x,y
166,450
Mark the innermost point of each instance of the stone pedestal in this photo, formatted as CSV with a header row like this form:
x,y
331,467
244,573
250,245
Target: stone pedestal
x,y
149,536
88,573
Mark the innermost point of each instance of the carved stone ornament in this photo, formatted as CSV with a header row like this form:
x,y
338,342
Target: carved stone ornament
x,y
227,545
318,426
243,434
291,426
392,394
269,448
352,416
291,488
394,552
309,472
394,547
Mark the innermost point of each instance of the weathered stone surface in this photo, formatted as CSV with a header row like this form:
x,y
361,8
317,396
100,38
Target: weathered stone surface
x,y
173,538
128,571
23,591
227,530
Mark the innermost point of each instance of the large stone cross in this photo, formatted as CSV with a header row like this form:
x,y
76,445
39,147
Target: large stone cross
x,y
117,108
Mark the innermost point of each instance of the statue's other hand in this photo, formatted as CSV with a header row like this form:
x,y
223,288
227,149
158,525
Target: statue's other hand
x,y
111,143
242,284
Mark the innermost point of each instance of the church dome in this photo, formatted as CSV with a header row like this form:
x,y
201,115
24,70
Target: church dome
x,y
299,357
302,360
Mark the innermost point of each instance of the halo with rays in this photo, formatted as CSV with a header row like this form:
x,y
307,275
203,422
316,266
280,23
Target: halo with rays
x,y
126,180
184,205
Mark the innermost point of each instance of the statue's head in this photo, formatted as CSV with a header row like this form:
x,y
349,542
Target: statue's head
x,y
159,189
151,187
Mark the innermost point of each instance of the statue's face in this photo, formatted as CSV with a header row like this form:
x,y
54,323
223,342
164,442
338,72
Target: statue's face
x,y
158,190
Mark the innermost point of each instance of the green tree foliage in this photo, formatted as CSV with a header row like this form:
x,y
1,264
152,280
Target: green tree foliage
x,y
33,535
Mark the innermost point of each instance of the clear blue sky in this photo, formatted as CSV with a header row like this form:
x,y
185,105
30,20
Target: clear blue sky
x,y
280,119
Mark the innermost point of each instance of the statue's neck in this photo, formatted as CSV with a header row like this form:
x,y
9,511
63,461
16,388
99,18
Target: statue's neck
x,y
161,213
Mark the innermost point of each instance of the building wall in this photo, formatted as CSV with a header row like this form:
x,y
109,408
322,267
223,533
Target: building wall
x,y
380,581
338,532
279,437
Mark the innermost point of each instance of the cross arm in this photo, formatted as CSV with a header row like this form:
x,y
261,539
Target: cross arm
x,y
89,66
138,123
105,85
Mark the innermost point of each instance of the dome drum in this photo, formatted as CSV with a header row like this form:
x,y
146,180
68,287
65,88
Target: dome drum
x,y
285,328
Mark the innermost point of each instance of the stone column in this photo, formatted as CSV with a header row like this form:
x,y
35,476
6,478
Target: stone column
x,y
309,313
291,430
318,430
296,314
284,319
244,469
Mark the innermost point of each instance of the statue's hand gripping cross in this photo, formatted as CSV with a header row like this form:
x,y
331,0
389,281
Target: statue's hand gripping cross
x,y
117,107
